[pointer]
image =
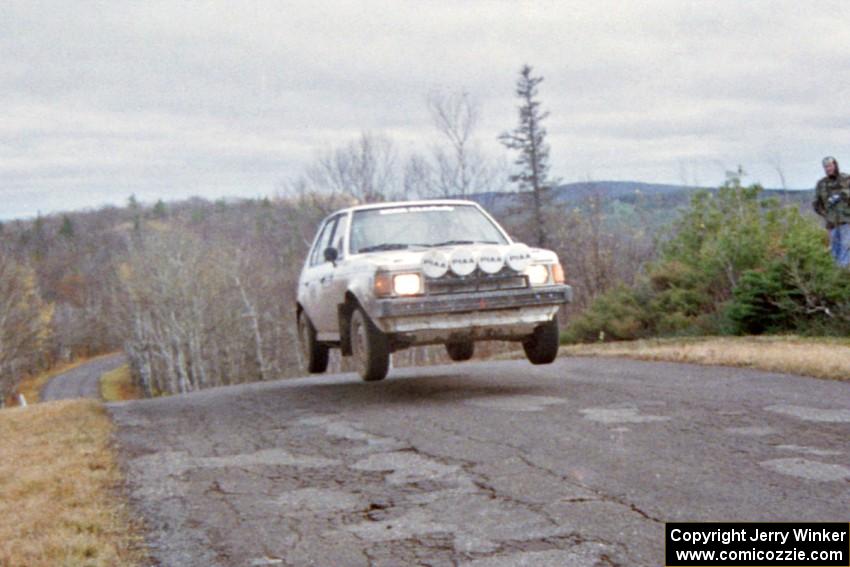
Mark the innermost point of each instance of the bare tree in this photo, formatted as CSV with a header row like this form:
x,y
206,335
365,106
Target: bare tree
x,y
364,169
456,166
420,179
212,303
461,169
775,160
24,324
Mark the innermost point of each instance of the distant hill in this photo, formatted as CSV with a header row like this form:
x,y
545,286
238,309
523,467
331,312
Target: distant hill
x,y
635,193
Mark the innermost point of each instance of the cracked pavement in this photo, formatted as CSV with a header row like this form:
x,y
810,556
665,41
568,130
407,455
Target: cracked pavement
x,y
482,464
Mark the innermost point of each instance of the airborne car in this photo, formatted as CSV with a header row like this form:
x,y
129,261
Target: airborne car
x,y
381,278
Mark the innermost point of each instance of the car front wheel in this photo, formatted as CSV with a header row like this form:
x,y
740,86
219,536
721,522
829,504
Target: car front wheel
x,y
313,353
542,346
369,347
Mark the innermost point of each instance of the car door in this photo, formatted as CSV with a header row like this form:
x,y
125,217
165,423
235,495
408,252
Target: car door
x,y
337,283
317,276
327,283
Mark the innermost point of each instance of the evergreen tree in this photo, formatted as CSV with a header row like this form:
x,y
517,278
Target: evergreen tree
x,y
159,210
134,208
67,229
529,139
40,238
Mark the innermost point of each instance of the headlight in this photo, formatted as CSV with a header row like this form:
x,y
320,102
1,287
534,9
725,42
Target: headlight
x,y
538,274
407,284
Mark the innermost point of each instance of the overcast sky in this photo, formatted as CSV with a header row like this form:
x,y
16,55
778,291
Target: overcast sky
x,y
172,99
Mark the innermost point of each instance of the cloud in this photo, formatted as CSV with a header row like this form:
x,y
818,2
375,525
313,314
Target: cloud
x,y
168,99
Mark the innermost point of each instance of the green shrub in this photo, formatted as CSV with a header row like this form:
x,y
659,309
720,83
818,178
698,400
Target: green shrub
x,y
735,263
800,290
619,314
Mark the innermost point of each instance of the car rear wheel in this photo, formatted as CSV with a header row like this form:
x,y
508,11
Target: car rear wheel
x,y
369,347
460,351
542,346
313,353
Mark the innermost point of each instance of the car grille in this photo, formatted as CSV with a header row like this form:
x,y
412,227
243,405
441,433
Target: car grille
x,y
477,281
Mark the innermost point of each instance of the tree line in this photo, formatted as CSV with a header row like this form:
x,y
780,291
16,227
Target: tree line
x,y
199,293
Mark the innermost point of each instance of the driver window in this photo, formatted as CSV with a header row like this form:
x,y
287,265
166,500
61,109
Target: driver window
x,y
318,254
338,239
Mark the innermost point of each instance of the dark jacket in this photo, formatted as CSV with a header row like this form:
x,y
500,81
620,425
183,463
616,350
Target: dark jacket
x,y
832,200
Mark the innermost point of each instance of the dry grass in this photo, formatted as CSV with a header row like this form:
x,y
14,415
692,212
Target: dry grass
x,y
821,357
60,500
118,386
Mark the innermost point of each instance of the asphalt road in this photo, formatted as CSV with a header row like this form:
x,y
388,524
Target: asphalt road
x,y
486,464
82,381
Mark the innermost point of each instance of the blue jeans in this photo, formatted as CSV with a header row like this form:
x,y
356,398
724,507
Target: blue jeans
x,y
839,244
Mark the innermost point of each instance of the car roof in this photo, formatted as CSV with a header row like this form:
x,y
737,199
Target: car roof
x,y
419,203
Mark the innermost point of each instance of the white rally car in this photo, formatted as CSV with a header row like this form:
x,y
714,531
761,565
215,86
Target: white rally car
x,y
381,278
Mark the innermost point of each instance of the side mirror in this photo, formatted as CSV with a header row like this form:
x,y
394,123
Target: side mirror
x,y
331,254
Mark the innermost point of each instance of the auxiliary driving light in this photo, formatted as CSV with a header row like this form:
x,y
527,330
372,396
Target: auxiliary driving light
x,y
435,264
462,262
518,257
538,274
407,284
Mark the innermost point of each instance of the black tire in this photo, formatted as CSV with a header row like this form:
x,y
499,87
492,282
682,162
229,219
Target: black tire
x,y
370,347
542,346
313,353
460,351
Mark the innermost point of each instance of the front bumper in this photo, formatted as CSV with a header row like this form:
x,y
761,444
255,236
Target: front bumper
x,y
481,301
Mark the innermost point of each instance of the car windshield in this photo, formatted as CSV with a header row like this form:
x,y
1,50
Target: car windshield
x,y
396,228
